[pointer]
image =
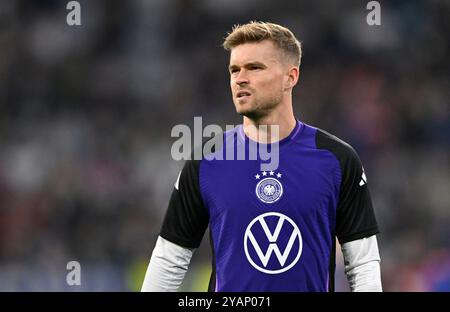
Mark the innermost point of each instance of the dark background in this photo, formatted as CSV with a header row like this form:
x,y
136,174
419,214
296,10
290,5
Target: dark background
x,y
86,114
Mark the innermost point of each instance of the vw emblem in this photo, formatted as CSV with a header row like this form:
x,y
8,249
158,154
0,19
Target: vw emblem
x,y
285,235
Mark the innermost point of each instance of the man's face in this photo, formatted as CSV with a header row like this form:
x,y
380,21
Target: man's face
x,y
256,77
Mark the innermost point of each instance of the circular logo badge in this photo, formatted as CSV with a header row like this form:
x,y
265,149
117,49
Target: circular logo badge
x,y
269,190
272,249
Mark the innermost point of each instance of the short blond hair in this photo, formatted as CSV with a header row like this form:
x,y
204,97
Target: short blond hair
x,y
259,31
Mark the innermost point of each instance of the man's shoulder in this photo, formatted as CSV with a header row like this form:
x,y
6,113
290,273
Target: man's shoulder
x,y
324,140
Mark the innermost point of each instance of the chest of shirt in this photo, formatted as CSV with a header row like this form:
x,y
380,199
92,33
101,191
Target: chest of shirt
x,y
304,183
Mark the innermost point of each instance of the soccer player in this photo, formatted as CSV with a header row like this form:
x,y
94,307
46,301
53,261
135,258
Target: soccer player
x,y
270,230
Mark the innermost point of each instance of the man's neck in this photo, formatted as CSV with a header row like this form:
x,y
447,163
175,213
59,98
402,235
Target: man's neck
x,y
271,128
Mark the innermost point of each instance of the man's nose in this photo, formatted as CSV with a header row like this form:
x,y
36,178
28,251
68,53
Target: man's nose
x,y
242,78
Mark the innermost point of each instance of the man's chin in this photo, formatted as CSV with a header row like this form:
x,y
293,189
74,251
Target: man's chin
x,y
243,111
251,114
248,110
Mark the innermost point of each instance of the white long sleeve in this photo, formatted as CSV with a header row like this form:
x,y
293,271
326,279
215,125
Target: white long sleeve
x,y
167,268
362,265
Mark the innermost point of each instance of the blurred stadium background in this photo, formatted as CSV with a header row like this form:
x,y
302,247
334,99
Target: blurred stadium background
x,y
86,114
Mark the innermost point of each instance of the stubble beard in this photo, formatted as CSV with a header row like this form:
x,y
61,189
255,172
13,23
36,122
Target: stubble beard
x,y
261,110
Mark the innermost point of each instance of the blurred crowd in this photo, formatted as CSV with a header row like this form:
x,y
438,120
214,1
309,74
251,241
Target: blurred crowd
x,y
86,114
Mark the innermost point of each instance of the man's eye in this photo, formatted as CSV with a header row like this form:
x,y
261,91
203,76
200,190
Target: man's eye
x,y
234,71
254,67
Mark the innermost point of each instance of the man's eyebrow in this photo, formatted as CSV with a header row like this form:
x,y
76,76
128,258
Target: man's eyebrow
x,y
255,64
249,64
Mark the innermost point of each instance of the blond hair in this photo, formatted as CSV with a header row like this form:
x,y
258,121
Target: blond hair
x,y
259,31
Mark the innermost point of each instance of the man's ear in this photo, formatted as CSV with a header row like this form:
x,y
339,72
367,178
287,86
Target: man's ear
x,y
292,77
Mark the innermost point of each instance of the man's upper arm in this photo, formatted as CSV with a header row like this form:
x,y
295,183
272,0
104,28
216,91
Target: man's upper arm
x,y
355,217
186,218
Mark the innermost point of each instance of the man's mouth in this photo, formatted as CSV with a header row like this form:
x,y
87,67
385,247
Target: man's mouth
x,y
241,94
